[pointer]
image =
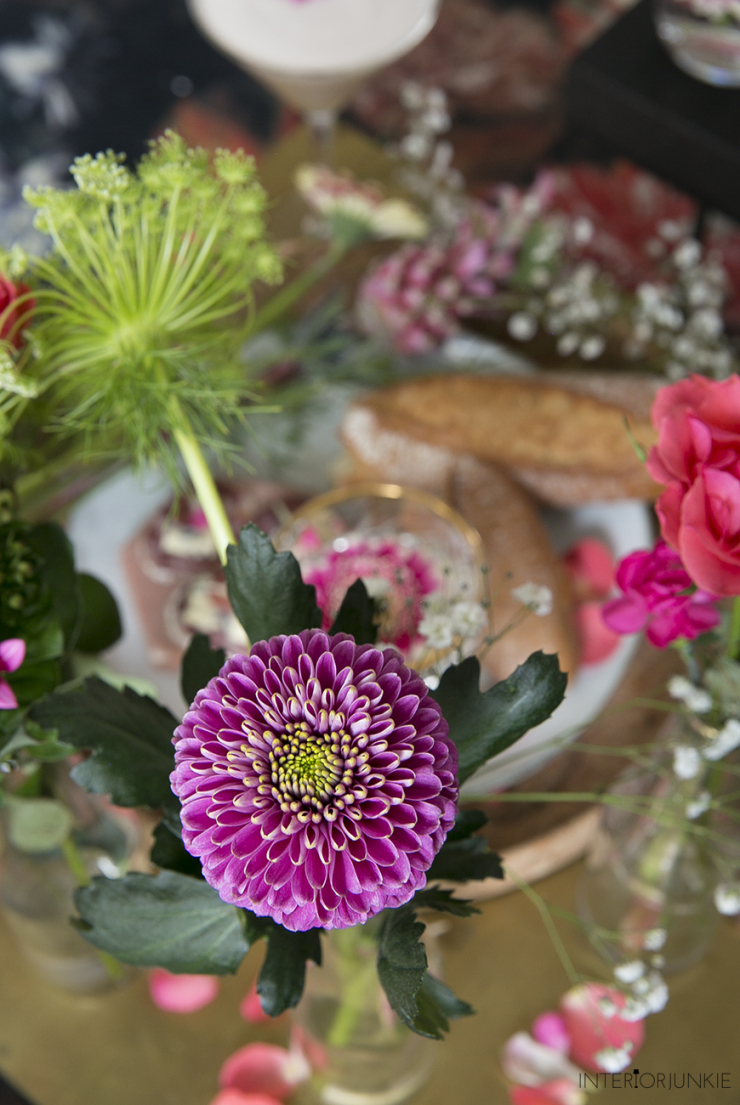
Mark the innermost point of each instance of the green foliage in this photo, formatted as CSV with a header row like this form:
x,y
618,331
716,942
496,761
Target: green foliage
x,y
128,735
464,856
57,573
357,615
282,977
482,725
165,920
100,622
199,665
265,588
144,301
437,1005
169,852
434,897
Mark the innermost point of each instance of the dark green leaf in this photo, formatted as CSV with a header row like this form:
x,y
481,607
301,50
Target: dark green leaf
x,y
437,1006
482,725
100,621
434,897
168,851
467,822
265,588
129,735
357,615
281,980
402,962
461,860
199,665
166,920
49,541
32,681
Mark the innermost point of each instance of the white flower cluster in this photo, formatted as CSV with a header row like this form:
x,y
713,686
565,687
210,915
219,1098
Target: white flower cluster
x,y
648,992
695,698
727,898
458,624
717,11
428,171
535,597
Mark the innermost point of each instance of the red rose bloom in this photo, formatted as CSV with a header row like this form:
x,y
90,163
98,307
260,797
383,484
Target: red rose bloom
x,y
14,318
698,458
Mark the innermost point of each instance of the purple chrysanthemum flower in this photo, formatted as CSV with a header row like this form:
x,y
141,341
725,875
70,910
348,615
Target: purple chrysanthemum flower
x,y
317,780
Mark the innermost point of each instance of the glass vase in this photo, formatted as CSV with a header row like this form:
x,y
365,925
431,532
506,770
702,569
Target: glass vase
x,y
648,870
40,872
702,37
358,1050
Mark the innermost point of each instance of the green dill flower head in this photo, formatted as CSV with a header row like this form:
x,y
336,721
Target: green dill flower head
x,y
145,300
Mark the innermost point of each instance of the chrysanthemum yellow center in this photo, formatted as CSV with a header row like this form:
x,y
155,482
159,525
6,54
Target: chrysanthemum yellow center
x,y
310,769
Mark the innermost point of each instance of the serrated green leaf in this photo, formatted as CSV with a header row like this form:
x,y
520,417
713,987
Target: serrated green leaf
x,y
199,665
462,860
482,725
434,897
437,1006
467,822
357,615
49,541
168,851
166,920
402,962
282,977
265,588
129,736
100,622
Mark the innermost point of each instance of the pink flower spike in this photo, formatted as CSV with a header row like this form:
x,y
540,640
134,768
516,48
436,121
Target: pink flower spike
x,y
12,653
251,1007
549,1029
181,993
236,1097
264,1069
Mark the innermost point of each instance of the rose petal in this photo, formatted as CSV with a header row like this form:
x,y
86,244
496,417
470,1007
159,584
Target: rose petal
x,y
181,993
264,1068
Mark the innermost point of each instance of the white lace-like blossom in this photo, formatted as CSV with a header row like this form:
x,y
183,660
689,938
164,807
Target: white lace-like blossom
x,y
698,805
727,740
535,597
654,940
629,972
696,699
438,630
686,761
614,1059
469,619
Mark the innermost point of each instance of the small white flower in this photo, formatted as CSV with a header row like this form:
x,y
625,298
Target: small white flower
x,y
657,995
377,587
699,701
634,1009
469,619
727,740
592,347
568,343
522,326
658,961
686,761
687,254
727,898
699,805
654,940
583,231
614,1059
438,630
608,1008
534,596
629,972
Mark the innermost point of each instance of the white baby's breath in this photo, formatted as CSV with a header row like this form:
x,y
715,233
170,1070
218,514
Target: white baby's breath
x,y
686,761
535,597
726,741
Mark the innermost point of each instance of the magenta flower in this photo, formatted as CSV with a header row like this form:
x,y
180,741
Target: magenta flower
x,y
317,780
399,579
659,597
12,655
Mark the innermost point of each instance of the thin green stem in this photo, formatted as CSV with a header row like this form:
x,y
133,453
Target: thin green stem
x,y
544,912
291,293
76,864
733,644
206,490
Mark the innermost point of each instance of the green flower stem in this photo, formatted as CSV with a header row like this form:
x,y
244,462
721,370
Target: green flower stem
x,y
207,492
76,864
733,644
291,293
359,978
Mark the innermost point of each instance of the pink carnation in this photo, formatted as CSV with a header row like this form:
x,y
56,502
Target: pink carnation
x,y
658,597
399,578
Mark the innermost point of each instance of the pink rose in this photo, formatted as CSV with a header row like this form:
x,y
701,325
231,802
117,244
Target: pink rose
x,y
698,459
659,597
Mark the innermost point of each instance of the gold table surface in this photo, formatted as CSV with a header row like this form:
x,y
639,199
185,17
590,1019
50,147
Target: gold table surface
x,y
118,1049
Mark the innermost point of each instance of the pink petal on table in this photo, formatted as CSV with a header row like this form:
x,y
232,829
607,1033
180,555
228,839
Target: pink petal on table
x,y
236,1097
8,701
12,653
597,640
181,993
526,1061
590,564
560,1092
591,1030
264,1068
251,1007
549,1029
